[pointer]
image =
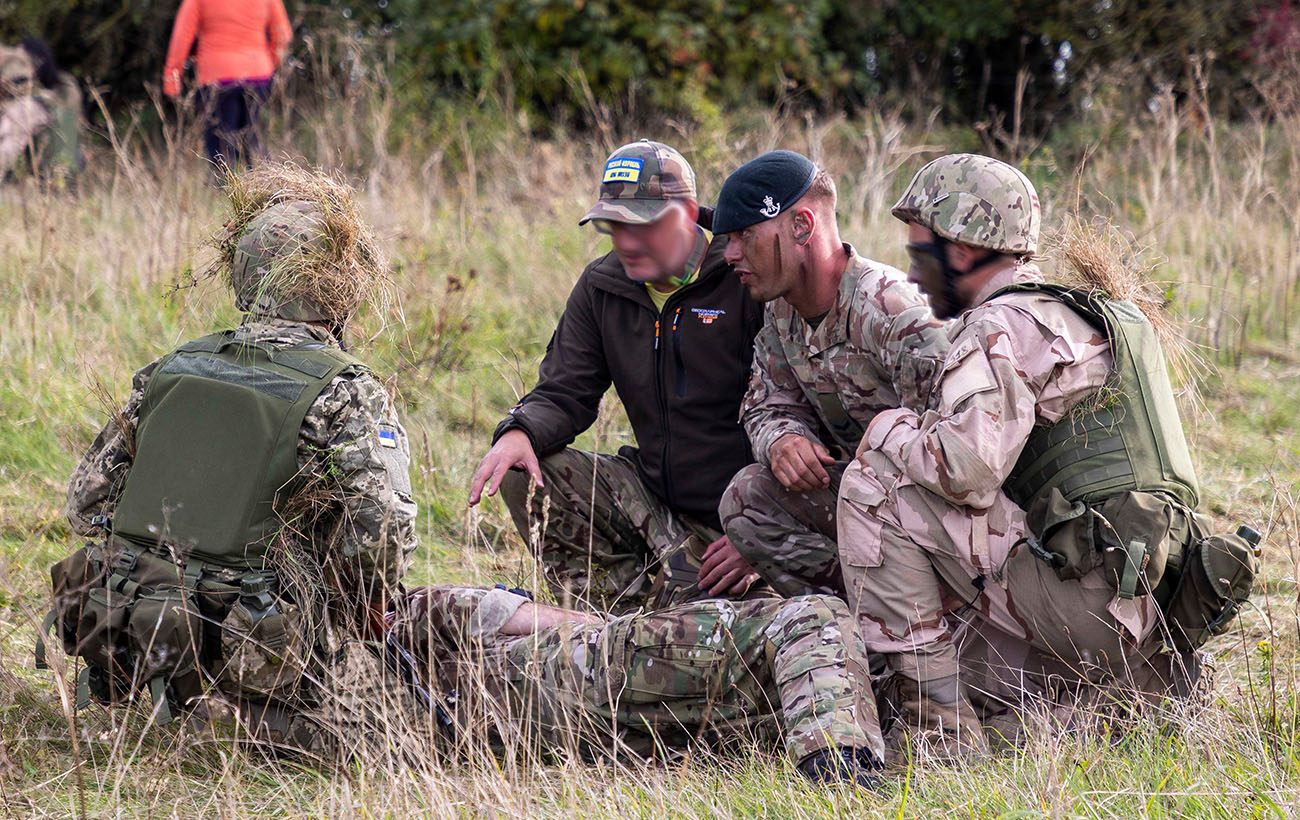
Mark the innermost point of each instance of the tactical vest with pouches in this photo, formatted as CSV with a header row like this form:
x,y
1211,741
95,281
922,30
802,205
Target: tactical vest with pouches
x,y
1112,483
216,446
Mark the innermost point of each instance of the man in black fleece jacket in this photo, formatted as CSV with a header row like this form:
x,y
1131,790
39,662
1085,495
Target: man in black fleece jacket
x,y
665,321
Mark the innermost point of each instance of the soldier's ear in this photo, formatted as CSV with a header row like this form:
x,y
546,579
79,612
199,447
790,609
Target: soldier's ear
x,y
802,224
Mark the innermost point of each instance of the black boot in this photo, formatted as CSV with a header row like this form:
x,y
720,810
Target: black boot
x,y
841,764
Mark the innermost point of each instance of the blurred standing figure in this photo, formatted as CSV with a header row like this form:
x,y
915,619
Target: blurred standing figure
x,y
240,42
40,112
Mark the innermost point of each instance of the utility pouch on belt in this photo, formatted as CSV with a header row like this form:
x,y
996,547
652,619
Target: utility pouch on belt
x,y
262,647
1217,579
140,620
1131,534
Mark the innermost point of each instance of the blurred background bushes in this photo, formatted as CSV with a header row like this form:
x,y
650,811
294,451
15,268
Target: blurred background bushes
x,y
1010,68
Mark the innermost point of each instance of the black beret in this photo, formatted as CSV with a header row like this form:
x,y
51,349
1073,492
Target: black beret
x,y
761,188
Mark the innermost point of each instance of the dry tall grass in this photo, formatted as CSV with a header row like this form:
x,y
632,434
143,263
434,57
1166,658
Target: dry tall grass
x,y
479,223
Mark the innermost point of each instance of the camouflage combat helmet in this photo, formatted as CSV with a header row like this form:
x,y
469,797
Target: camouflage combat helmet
x,y
974,200
17,72
639,181
276,253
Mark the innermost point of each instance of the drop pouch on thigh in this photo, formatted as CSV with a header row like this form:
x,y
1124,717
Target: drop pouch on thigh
x,y
1218,576
1136,532
71,581
1064,531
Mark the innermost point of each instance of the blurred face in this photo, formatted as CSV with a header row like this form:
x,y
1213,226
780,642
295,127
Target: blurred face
x,y
764,258
926,269
655,251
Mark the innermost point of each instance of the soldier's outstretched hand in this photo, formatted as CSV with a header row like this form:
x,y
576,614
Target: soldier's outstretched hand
x,y
800,463
514,449
724,571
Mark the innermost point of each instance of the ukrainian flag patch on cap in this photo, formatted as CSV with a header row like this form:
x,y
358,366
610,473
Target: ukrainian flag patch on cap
x,y
622,169
387,436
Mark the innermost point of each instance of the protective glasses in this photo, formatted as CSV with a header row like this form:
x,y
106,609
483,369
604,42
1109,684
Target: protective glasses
x,y
927,257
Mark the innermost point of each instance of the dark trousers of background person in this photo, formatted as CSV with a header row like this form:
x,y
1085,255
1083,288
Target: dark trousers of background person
x,y
230,115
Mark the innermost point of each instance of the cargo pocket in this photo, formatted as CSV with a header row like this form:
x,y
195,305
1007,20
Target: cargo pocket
x,y
262,657
863,500
1218,577
643,667
671,671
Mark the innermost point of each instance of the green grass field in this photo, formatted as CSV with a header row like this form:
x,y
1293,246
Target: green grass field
x,y
481,227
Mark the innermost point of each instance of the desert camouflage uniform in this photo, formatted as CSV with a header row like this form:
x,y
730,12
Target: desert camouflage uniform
x,y
929,541
645,683
877,348
372,538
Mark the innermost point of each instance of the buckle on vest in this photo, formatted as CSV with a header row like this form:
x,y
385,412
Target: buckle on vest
x,y
125,562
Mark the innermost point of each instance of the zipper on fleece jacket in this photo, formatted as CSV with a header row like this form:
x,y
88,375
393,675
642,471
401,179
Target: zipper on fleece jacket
x,y
662,401
677,355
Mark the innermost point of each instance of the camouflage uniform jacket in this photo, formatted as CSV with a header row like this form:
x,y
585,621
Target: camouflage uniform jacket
x,y
1020,360
375,534
877,348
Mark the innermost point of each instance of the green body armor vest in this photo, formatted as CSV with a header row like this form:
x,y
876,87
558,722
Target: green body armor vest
x,y
216,443
1134,442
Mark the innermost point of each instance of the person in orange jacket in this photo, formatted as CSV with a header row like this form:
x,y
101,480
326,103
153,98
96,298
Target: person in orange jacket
x,y
240,43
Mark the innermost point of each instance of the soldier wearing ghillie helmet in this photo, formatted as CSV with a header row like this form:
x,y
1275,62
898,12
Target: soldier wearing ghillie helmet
x,y
256,479
1033,530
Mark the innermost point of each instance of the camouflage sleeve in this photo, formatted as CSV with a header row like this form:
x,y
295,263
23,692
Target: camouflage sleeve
x,y
984,411
96,483
352,439
454,614
908,342
774,404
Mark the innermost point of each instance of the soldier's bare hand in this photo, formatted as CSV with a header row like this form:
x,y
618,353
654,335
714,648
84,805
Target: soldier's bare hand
x,y
724,571
800,463
511,450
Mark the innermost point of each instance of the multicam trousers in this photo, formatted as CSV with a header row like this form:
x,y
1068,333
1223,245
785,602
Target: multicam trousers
x,y
598,531
648,683
787,537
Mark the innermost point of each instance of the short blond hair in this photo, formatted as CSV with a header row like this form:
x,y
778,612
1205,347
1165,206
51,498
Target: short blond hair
x,y
822,191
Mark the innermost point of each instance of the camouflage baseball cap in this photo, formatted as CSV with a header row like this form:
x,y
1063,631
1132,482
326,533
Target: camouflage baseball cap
x,y
638,182
975,200
17,72
280,245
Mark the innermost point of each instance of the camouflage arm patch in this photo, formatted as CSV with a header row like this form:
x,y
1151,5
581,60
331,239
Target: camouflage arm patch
x,y
352,443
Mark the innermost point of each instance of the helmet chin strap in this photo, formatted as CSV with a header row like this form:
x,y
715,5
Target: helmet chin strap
x,y
952,305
